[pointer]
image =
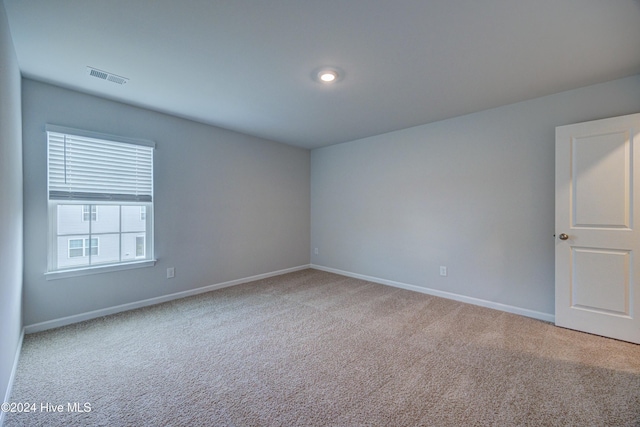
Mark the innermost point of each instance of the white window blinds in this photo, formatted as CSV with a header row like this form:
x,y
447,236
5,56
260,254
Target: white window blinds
x,y
87,168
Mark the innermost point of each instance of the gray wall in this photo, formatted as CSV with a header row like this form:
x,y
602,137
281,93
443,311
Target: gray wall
x,y
10,204
227,206
474,193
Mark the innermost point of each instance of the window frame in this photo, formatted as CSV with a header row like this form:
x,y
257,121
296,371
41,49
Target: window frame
x,y
85,247
80,248
144,247
90,214
88,246
55,272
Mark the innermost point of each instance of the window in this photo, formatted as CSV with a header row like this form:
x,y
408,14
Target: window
x,y
76,248
140,246
83,247
93,177
89,213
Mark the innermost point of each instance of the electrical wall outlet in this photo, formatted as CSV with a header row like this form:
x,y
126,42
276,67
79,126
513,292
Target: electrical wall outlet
x,y
171,272
316,251
443,270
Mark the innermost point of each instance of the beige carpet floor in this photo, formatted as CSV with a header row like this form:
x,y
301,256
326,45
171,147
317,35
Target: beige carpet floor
x,y
316,349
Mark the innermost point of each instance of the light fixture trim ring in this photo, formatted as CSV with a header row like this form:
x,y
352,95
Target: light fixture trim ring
x,y
328,75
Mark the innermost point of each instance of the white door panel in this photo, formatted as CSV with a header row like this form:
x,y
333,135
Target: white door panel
x,y
601,178
591,267
597,194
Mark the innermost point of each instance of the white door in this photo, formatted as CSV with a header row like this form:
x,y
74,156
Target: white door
x,y
597,227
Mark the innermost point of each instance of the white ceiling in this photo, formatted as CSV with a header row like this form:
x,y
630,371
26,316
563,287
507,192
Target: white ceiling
x,y
247,65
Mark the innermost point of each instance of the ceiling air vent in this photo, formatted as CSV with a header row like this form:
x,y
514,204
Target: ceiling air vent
x,y
104,75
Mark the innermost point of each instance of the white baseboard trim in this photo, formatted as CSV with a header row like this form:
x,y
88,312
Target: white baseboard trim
x,y
457,297
12,377
56,323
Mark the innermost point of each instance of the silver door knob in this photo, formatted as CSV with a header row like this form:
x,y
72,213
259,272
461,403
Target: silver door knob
x,y
563,236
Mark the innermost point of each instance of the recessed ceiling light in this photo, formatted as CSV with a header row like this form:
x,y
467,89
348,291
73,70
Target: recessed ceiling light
x,y
327,75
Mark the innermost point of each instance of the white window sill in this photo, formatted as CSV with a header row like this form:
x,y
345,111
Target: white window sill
x,y
63,274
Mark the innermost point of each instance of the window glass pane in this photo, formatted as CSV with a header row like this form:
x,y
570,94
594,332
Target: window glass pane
x,y
103,242
71,251
70,220
106,249
108,219
89,213
130,246
75,248
139,246
75,253
91,246
131,219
